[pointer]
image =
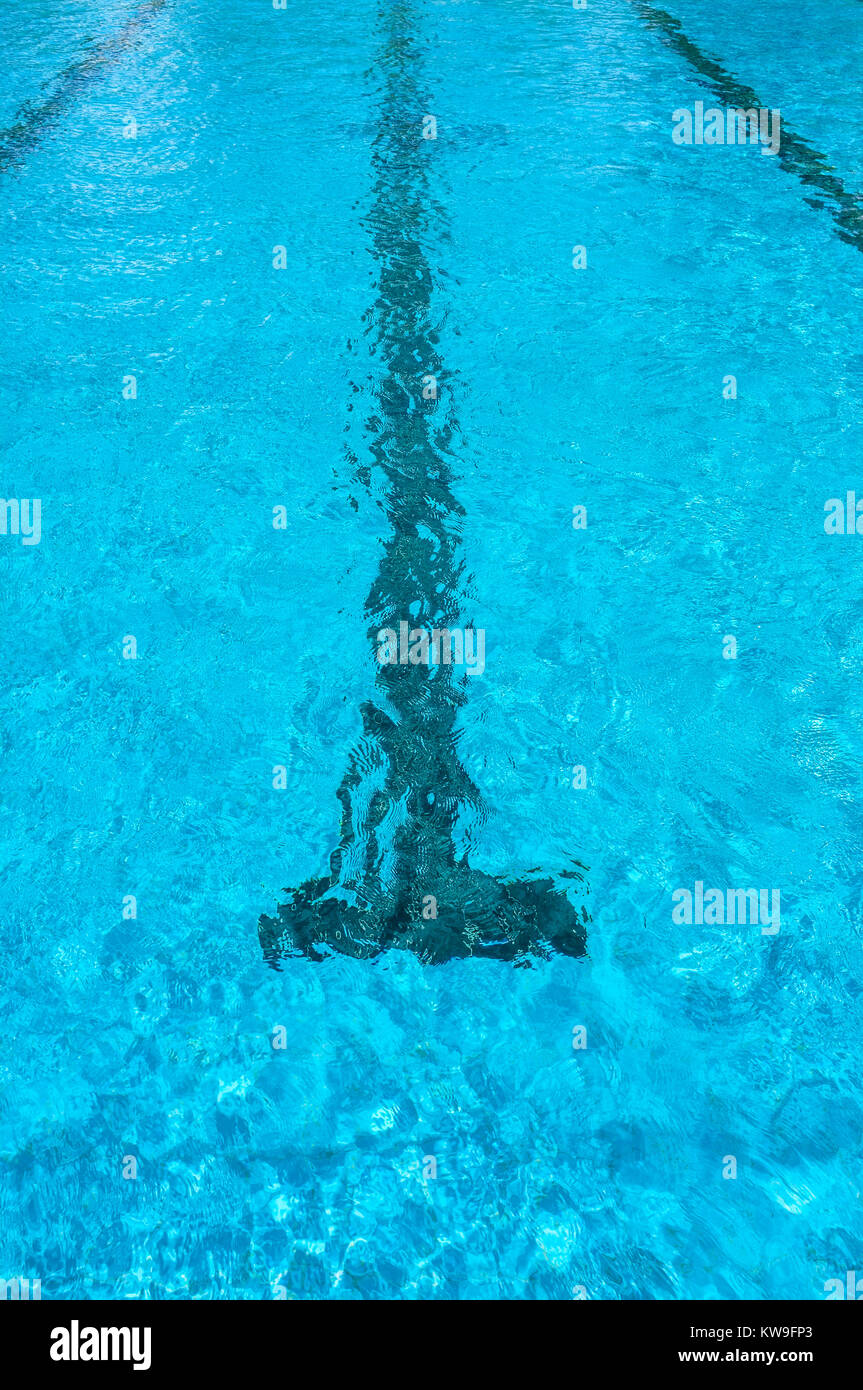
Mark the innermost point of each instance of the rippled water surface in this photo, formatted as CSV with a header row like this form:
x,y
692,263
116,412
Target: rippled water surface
x,y
424,1126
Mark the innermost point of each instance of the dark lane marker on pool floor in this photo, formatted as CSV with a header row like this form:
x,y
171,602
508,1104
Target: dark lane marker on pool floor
x,y
795,154
405,781
33,121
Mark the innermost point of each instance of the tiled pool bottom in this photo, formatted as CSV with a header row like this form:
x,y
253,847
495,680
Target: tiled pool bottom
x,y
425,1132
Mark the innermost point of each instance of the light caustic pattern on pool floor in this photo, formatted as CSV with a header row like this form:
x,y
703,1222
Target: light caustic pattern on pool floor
x,y
429,1130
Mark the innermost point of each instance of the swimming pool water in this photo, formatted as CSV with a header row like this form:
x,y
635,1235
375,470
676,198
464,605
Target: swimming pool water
x,y
304,1169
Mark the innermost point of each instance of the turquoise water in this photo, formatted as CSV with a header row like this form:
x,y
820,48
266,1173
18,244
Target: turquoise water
x,y
304,1170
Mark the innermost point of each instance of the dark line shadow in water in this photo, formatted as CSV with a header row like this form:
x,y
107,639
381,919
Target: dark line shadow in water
x,y
398,825
795,154
32,122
